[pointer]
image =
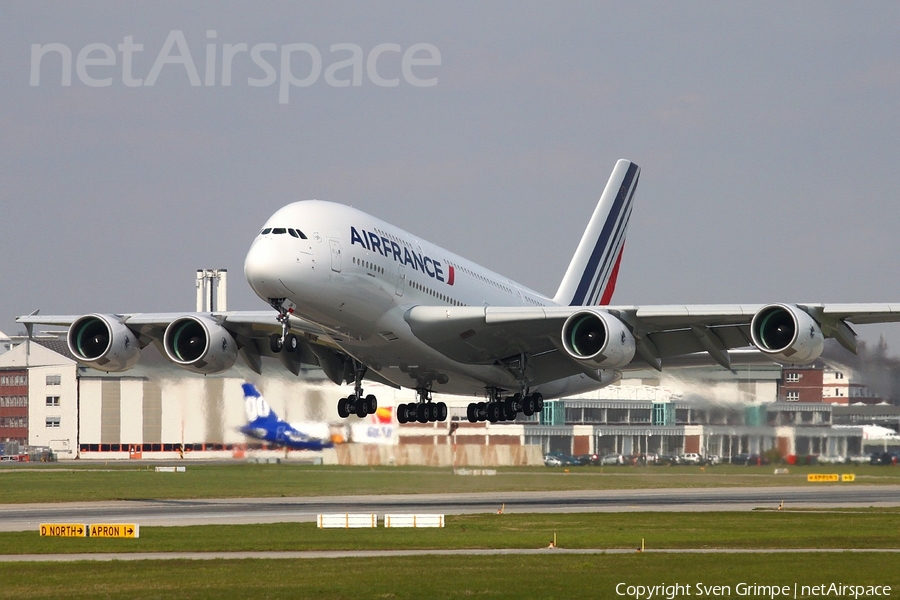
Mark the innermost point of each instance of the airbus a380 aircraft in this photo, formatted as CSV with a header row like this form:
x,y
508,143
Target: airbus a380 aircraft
x,y
366,300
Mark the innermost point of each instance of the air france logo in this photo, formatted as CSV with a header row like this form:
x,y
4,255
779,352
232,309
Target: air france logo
x,y
403,255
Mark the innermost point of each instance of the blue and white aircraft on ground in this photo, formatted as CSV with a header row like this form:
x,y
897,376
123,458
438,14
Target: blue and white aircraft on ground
x,y
264,425
366,300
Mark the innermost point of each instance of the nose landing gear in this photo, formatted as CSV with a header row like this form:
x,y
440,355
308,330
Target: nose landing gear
x,y
286,340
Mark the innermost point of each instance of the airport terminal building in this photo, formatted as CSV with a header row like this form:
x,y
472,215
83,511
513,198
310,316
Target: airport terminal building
x,y
156,410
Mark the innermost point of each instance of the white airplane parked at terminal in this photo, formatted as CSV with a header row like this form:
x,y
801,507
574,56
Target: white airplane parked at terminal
x,y
366,300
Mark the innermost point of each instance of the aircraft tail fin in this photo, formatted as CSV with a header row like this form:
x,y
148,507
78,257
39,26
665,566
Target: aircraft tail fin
x,y
258,410
591,276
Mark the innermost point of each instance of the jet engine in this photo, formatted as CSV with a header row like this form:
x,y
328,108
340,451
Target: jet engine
x,y
787,334
103,342
199,344
598,338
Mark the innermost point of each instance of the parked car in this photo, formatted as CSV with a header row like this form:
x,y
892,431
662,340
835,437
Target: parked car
x,y
559,459
883,458
612,459
691,458
713,459
756,460
588,459
739,459
667,460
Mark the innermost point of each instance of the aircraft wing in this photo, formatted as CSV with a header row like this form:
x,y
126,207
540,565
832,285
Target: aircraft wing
x,y
251,324
250,330
663,334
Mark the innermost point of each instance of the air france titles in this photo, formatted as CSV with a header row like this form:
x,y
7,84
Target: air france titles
x,y
402,254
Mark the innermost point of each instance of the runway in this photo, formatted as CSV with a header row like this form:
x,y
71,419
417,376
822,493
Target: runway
x,y
24,517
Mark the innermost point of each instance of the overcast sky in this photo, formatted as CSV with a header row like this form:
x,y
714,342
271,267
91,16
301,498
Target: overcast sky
x,y
767,134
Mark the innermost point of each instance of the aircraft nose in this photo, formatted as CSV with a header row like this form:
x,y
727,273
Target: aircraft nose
x,y
265,269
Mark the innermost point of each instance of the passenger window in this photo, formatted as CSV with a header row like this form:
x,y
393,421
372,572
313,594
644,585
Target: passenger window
x,y
267,231
279,230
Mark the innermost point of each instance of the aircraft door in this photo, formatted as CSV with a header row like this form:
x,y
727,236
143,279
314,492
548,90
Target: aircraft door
x,y
336,255
401,280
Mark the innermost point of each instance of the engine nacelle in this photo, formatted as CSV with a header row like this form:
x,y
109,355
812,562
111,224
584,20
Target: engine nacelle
x,y
787,334
103,342
199,344
598,338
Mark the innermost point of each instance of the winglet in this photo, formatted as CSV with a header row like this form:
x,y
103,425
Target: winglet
x,y
591,276
29,327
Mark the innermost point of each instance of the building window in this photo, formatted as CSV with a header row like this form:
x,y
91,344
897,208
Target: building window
x,y
18,422
792,377
52,421
52,400
838,375
793,396
54,379
13,401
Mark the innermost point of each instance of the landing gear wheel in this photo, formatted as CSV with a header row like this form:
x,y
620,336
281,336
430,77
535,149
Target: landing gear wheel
x,y
528,406
372,403
471,413
343,411
276,343
441,411
481,411
359,406
493,412
291,343
509,405
422,413
401,414
432,412
539,402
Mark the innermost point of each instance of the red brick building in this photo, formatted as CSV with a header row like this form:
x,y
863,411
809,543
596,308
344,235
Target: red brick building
x,y
823,383
14,406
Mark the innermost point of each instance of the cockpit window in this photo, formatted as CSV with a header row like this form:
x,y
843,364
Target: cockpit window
x,y
266,231
301,234
292,232
279,230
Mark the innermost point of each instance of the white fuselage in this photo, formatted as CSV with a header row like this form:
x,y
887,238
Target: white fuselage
x,y
356,276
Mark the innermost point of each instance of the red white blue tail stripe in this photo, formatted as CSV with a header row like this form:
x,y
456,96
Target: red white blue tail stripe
x,y
591,277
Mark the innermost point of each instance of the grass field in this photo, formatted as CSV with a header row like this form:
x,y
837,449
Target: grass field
x,y
520,577
117,481
431,576
875,528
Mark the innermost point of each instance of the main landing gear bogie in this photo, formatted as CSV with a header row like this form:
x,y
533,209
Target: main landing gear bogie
x,y
357,405
505,409
422,412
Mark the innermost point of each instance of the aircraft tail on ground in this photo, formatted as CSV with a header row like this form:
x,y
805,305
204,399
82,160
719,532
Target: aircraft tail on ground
x,y
591,276
263,424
